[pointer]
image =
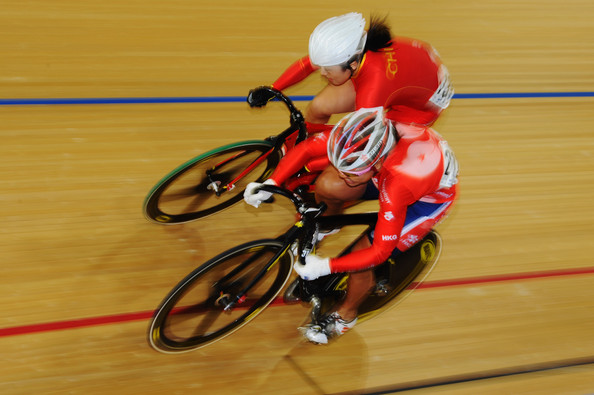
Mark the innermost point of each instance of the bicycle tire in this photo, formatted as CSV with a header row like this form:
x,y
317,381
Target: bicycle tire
x,y
191,316
185,193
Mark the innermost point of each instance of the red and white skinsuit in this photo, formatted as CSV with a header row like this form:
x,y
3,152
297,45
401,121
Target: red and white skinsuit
x,y
420,168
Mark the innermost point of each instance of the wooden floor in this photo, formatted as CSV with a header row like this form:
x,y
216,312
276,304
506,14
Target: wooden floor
x,y
509,308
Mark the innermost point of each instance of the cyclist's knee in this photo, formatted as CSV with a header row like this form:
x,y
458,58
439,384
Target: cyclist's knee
x,y
329,187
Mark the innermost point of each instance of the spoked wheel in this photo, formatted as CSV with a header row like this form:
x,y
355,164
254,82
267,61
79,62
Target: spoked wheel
x,y
193,315
200,187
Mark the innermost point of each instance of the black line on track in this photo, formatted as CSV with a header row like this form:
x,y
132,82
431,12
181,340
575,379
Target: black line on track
x,y
304,375
474,376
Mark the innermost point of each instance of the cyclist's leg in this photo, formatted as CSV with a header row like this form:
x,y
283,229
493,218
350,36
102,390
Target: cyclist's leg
x,y
359,286
421,217
331,100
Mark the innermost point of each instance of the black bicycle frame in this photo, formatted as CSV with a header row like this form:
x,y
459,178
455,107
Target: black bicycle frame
x,y
304,231
297,126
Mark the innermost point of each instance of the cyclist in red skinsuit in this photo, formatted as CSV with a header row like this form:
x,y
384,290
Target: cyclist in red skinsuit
x,y
400,74
411,172
414,180
402,77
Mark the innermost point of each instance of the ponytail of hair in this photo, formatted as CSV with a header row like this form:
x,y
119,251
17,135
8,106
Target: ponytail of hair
x,y
378,37
378,34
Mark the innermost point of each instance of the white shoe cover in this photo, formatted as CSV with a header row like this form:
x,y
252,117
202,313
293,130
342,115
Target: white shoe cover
x,y
315,335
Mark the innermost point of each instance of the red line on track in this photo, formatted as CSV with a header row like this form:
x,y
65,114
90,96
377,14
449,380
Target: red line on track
x,y
128,317
76,323
505,277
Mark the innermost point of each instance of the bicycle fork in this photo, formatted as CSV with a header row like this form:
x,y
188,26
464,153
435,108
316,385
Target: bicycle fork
x,y
241,295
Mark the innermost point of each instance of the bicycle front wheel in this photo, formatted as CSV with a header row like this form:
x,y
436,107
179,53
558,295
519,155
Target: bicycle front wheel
x,y
193,315
201,186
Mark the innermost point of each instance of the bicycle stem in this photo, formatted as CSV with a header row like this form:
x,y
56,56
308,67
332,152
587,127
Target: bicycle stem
x,y
297,118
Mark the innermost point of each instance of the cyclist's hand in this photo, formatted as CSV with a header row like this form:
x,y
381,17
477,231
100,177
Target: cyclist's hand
x,y
255,198
259,97
314,267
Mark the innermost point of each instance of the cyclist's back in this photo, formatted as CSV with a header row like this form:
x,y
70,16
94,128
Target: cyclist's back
x,y
402,78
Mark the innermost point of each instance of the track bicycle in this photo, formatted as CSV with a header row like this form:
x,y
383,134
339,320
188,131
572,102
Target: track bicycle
x,y
217,179
231,289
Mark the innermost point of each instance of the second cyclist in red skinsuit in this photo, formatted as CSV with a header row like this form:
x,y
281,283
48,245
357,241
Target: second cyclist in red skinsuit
x,y
368,69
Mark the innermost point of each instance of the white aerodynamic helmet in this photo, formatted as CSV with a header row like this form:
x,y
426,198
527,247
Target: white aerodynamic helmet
x,y
336,40
360,140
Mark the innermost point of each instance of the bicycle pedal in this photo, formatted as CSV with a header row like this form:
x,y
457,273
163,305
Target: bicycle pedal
x,y
382,288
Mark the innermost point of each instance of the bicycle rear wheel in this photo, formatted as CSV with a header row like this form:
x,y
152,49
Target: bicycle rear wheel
x,y
193,315
402,275
190,191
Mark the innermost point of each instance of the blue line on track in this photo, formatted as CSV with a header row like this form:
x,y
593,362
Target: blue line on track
x,y
513,95
233,99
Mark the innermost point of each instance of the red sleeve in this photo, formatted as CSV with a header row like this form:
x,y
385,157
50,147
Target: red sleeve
x,y
388,228
314,147
297,72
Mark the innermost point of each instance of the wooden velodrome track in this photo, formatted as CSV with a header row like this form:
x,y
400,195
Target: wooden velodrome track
x,y
508,309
